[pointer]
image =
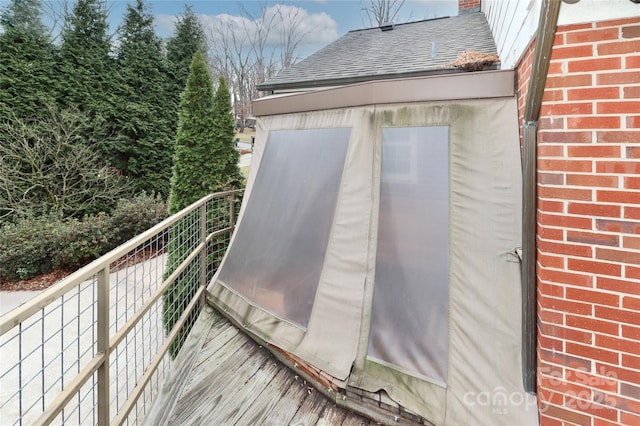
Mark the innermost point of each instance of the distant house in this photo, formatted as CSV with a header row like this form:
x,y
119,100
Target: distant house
x,y
436,226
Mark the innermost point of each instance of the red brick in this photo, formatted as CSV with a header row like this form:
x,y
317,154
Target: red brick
x,y
547,261
631,62
550,123
632,182
599,64
619,315
632,272
623,374
632,31
565,360
574,27
564,221
604,79
566,306
631,212
621,286
551,178
591,296
631,332
592,180
565,194
618,47
555,67
597,380
632,303
618,167
597,122
575,80
593,238
548,150
551,206
602,422
617,22
629,418
550,343
565,137
570,52
593,209
591,35
631,361
567,249
618,226
594,267
591,93
550,233
566,108
617,344
617,107
622,136
583,403
551,290
632,151
564,277
551,317
631,92
632,391
566,165
597,151
568,416
618,255
624,197
631,242
592,324
551,95
633,122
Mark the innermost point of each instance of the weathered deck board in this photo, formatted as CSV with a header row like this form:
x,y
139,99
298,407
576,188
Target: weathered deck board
x,y
231,380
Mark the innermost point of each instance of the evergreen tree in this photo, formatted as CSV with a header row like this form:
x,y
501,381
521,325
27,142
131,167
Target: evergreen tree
x,y
205,159
27,61
188,39
89,75
143,148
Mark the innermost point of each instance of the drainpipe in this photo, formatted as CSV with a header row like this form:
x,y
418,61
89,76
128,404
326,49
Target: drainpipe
x,y
537,81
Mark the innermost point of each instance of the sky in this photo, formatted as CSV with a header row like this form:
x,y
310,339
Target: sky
x,y
323,20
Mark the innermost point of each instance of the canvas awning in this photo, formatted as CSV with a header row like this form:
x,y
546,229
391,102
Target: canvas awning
x,y
377,241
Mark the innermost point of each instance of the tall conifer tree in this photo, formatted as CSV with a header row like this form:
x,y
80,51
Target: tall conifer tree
x,y
27,61
205,158
188,39
143,148
89,76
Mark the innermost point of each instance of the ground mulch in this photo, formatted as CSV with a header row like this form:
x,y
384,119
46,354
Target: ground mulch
x,y
41,282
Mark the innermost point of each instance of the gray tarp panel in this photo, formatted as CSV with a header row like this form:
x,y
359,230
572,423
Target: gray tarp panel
x,y
483,382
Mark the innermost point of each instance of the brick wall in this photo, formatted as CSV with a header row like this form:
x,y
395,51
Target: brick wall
x,y
466,6
589,225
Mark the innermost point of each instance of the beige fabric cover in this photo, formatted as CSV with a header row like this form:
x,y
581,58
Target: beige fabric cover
x,y
484,384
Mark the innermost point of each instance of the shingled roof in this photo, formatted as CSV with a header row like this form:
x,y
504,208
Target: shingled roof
x,y
406,50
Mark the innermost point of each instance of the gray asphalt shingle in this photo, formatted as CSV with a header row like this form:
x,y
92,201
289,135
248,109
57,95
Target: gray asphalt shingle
x,y
409,49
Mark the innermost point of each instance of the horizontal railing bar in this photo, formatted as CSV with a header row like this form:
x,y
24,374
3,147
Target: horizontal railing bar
x,y
122,333
135,394
219,232
21,313
70,391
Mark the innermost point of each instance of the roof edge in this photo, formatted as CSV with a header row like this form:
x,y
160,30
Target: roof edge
x,y
443,87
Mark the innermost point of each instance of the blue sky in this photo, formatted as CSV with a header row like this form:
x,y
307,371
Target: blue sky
x,y
325,20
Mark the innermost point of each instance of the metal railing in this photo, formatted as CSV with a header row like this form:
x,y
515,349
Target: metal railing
x,y
95,347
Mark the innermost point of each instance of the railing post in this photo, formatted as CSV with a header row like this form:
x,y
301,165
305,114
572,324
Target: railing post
x,y
232,211
103,345
203,252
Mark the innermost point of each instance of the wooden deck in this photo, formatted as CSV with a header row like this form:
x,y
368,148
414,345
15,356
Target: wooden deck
x,y
222,377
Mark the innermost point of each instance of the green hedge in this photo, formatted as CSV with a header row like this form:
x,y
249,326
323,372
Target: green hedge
x,y
36,246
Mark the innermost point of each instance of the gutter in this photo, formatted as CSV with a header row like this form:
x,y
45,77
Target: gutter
x,y
545,36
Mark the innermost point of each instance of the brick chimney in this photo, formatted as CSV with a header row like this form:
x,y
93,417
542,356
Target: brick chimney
x,y
468,6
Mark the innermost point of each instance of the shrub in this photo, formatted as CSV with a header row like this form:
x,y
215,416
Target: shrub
x,y
26,248
36,246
